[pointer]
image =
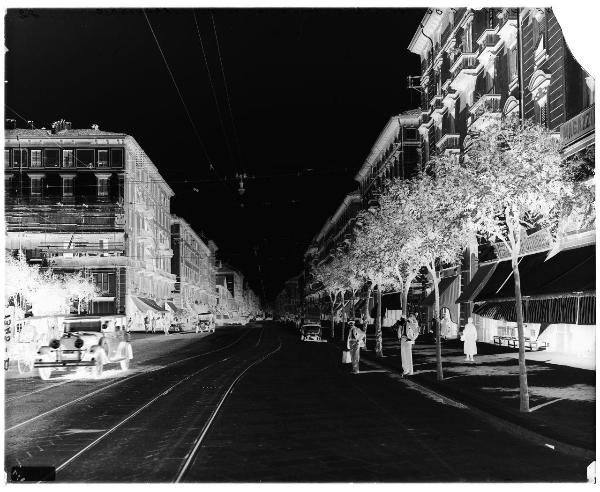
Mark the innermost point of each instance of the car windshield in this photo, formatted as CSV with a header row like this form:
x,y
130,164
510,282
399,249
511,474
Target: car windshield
x,y
82,325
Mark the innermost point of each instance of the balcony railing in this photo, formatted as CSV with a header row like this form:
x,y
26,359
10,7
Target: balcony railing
x,y
488,39
466,61
510,16
436,102
450,141
486,104
81,261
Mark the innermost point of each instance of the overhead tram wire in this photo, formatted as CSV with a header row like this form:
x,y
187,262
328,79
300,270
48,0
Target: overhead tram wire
x,y
187,111
214,94
235,134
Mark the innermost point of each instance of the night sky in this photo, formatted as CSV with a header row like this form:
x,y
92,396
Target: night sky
x,y
309,91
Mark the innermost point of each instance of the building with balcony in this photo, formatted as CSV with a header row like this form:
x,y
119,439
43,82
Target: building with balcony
x,y
503,61
192,265
92,201
232,280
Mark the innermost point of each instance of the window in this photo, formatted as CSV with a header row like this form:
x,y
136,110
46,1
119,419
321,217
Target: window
x,y
116,157
512,63
67,184
36,184
541,112
51,157
20,158
36,158
8,184
102,157
6,158
85,157
102,184
68,158
410,133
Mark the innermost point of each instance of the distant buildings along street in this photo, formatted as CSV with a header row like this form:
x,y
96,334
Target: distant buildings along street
x,y
92,201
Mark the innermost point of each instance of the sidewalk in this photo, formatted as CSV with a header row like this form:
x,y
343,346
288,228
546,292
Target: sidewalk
x,y
562,399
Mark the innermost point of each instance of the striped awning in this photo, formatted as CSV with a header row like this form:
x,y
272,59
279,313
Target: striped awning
x,y
579,310
482,275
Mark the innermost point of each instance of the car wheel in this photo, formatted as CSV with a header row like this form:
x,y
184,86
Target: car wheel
x,y
24,366
45,373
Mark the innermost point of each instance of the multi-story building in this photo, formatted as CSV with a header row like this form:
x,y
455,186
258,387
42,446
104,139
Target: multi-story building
x,y
499,61
395,154
90,200
192,265
233,281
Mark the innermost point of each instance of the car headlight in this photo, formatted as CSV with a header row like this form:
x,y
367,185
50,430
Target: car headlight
x,y
55,343
79,343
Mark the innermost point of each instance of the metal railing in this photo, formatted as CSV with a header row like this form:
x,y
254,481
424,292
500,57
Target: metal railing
x,y
448,142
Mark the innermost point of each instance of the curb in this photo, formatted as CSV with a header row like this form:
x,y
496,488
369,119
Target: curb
x,y
496,422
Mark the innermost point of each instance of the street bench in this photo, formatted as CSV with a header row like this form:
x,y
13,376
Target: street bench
x,y
514,342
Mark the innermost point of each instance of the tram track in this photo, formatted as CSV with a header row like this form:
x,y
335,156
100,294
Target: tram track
x,y
223,373
110,384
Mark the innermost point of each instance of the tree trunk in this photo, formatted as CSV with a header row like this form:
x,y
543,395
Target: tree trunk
x,y
78,306
367,307
343,318
378,337
353,314
523,388
436,317
332,318
407,284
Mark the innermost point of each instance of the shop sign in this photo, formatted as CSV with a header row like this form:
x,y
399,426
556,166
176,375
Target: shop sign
x,y
578,126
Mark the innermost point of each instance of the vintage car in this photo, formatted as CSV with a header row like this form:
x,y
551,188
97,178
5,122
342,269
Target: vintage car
x,y
310,333
205,323
88,343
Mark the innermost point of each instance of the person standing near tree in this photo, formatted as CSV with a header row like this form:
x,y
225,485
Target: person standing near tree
x,y
469,336
356,340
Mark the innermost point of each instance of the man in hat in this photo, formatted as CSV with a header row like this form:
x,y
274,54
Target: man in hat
x,y
356,340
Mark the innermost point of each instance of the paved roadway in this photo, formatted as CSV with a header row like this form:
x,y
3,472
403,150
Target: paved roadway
x,y
295,414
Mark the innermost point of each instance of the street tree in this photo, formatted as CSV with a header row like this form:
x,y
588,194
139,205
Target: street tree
x,y
331,282
436,233
368,256
79,289
513,182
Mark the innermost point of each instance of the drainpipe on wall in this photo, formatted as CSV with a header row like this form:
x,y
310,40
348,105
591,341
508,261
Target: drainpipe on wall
x,y
520,52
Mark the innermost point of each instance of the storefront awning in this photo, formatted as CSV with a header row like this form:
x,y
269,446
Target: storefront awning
x,y
447,286
570,271
479,280
579,310
144,304
390,302
170,306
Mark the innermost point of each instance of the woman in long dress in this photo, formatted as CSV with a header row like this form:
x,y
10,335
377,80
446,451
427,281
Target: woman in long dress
x,y
469,336
356,339
407,340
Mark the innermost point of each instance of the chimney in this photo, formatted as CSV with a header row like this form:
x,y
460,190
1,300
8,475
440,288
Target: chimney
x,y
60,125
30,123
95,127
10,124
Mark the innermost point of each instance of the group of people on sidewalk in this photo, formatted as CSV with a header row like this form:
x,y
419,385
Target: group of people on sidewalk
x,y
407,331
151,321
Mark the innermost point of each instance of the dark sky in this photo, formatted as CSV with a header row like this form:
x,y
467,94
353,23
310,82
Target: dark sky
x,y
309,91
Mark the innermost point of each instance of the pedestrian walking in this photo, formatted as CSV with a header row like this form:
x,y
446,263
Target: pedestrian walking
x,y
153,320
166,323
469,336
147,322
356,340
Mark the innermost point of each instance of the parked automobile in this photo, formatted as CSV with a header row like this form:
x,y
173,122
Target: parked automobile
x,y
88,343
310,333
222,319
205,323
